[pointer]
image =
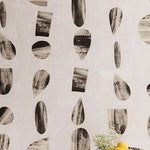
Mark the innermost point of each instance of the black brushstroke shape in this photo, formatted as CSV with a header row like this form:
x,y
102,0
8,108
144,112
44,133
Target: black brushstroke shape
x,y
6,116
121,88
80,140
117,120
117,54
39,2
6,80
115,18
148,89
41,117
41,49
40,81
43,23
7,49
135,148
82,42
78,115
4,142
42,144
3,14
78,12
79,80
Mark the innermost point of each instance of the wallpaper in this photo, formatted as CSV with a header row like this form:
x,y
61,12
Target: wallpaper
x,y
70,69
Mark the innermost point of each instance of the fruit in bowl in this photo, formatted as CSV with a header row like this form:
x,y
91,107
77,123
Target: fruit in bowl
x,y
120,146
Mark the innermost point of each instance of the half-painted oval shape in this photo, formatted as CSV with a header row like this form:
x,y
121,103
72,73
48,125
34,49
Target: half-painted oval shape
x,y
2,14
148,127
148,89
115,18
82,43
4,142
117,54
6,116
80,140
78,113
143,29
41,49
42,144
39,2
117,120
40,81
41,117
7,49
6,80
121,88
78,12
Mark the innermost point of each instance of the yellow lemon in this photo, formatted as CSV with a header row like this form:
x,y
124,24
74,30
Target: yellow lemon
x,y
110,148
122,145
119,148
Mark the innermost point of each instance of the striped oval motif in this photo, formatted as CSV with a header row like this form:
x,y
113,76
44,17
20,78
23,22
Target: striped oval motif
x,y
78,12
6,116
117,54
40,81
121,88
4,142
7,49
115,18
3,14
143,29
39,2
6,80
78,113
80,140
42,144
41,49
117,120
82,43
41,117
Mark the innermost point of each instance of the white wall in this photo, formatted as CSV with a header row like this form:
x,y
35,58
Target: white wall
x,y
58,97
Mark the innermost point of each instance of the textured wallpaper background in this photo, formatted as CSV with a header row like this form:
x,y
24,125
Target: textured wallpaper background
x,y
60,93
